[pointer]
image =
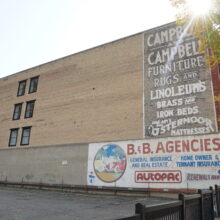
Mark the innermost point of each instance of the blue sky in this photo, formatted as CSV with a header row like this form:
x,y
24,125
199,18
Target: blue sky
x,y
38,31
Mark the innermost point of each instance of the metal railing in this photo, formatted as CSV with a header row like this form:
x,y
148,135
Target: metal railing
x,y
217,199
133,217
207,205
191,206
164,211
199,206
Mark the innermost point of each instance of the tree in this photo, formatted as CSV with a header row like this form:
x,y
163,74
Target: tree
x,y
205,27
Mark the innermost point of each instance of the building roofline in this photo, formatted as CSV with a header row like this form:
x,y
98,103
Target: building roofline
x,y
83,51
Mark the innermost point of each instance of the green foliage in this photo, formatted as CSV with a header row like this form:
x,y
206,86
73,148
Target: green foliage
x,y
204,27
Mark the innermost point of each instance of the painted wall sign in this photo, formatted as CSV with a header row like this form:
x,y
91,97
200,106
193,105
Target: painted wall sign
x,y
178,96
175,162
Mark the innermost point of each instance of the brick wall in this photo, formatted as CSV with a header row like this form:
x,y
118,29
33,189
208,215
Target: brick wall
x,y
92,96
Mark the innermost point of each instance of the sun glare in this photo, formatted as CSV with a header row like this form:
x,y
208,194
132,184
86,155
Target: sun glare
x,y
199,7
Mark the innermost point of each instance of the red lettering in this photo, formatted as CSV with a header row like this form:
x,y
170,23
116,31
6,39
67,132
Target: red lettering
x,y
170,177
216,141
201,145
158,176
146,148
130,149
177,146
139,176
178,177
169,146
192,145
185,146
207,143
160,147
164,176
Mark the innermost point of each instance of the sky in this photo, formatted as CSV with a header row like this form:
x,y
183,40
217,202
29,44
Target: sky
x,y
34,32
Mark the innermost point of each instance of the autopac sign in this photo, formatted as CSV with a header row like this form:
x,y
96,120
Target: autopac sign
x,y
178,95
177,162
158,176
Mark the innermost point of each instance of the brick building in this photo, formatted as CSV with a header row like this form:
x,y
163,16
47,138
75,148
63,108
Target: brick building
x,y
146,86
92,96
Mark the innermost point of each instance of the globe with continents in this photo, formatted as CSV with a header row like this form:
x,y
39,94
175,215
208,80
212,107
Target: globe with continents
x,y
110,163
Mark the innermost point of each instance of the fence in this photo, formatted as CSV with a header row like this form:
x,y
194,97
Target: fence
x,y
217,199
202,206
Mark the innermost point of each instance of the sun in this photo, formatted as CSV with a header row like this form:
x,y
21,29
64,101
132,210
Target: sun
x,y
199,7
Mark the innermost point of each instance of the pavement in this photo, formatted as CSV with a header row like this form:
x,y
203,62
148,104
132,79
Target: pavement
x,y
29,204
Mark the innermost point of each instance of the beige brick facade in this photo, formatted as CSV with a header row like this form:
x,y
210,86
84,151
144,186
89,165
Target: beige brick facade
x,y
91,96
133,88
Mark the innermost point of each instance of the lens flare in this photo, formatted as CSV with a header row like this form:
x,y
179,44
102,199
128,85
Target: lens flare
x,y
199,7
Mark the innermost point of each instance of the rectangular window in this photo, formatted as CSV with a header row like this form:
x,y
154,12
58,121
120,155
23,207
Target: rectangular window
x,y
33,84
13,137
21,88
25,138
17,111
29,109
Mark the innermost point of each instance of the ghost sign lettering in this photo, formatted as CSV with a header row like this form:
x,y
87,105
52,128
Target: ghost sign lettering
x,y
178,95
174,162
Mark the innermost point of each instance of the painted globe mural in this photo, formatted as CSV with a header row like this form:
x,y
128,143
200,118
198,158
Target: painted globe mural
x,y
110,163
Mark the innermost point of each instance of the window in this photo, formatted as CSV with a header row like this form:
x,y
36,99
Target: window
x,y
25,138
21,88
17,111
33,84
13,137
29,109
